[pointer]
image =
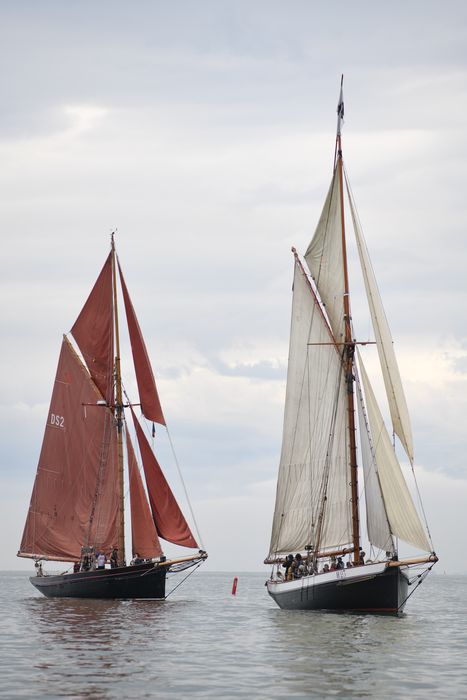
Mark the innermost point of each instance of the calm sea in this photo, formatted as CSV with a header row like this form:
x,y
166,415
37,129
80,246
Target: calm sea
x,y
205,643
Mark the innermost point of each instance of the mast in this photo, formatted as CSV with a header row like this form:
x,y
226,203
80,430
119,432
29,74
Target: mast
x,y
118,413
349,345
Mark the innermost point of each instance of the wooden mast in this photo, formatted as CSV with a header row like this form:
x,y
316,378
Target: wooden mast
x,y
349,346
118,412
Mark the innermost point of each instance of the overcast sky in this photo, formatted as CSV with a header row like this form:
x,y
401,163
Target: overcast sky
x,y
204,133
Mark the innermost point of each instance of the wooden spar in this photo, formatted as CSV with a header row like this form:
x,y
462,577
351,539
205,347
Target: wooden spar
x,y
348,357
417,560
179,560
118,412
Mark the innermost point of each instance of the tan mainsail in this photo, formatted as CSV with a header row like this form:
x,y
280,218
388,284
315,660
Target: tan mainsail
x,y
74,501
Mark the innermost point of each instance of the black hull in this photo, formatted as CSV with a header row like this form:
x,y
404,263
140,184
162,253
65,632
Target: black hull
x,y
383,592
140,581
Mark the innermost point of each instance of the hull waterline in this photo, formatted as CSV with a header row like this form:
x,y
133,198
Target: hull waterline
x,y
373,588
139,581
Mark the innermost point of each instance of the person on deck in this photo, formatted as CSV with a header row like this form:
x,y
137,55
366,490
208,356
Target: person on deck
x,y
100,560
287,564
114,558
298,566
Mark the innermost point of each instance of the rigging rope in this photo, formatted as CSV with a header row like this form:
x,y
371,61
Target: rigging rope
x,y
183,580
185,489
421,578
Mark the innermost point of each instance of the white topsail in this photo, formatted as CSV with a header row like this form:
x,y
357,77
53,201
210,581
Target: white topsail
x,y
324,258
400,510
314,460
392,380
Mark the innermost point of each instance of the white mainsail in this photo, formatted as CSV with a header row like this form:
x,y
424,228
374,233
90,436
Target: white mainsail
x,y
314,460
324,258
402,516
392,380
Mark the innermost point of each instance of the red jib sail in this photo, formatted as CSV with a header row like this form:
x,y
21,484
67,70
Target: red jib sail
x,y
168,518
148,396
74,500
145,541
93,331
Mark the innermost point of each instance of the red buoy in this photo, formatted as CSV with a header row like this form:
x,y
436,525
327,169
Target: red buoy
x,y
234,586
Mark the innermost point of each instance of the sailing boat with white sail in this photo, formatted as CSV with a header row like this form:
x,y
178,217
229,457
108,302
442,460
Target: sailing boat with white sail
x,y
77,508
317,512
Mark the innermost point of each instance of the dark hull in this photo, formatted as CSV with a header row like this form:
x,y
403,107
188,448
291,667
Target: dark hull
x,y
368,591
140,581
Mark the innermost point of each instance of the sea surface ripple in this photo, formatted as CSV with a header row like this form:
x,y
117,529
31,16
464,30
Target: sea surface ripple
x,y
203,642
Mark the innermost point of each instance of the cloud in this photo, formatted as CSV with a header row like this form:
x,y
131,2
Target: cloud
x,y
205,134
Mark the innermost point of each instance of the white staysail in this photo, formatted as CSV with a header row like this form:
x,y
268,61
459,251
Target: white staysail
x,y
314,461
392,380
324,258
401,513
377,522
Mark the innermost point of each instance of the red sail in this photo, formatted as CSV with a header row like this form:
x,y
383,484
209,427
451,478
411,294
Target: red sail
x,y
145,541
93,331
74,500
148,396
169,520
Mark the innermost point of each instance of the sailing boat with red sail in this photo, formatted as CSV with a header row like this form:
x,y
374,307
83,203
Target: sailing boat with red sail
x,y
77,505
